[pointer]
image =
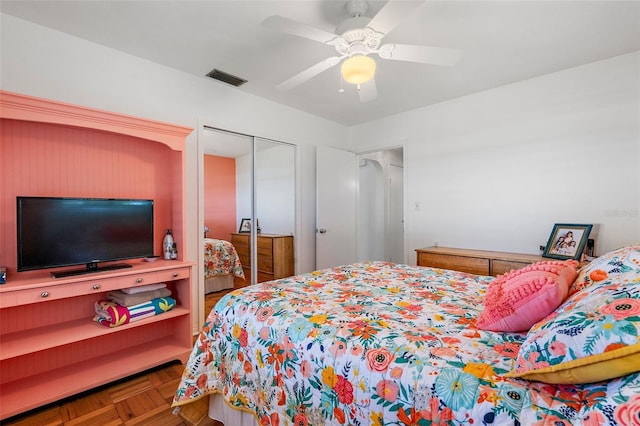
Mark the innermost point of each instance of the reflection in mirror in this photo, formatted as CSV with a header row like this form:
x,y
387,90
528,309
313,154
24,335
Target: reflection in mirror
x,y
228,164
226,263
275,209
275,189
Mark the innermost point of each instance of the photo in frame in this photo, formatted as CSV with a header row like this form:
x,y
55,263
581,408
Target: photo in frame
x,y
567,241
245,225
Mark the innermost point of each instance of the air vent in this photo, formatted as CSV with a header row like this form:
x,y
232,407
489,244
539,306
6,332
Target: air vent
x,y
226,78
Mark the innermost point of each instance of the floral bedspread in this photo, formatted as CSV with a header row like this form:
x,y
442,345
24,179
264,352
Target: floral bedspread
x,y
376,343
220,258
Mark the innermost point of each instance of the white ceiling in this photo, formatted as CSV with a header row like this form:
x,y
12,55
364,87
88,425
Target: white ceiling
x,y
502,42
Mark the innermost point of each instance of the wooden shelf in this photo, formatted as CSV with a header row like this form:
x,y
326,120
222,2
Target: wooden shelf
x,y
35,340
26,394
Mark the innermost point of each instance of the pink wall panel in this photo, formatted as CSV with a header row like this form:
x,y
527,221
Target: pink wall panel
x,y
220,196
53,160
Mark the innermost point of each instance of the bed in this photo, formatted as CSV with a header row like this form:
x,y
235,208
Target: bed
x,y
376,343
221,264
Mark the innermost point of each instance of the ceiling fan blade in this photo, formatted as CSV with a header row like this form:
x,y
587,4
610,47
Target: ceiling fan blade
x,y
368,91
286,25
309,73
423,54
392,14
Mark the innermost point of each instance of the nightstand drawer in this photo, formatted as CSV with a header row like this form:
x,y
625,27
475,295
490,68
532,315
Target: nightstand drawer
x,y
265,265
241,243
245,260
265,243
265,252
499,267
471,265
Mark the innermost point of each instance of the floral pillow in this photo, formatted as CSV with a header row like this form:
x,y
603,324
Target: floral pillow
x,y
618,261
518,299
593,336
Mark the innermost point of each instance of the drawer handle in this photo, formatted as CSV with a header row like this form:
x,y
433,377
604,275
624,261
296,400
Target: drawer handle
x,y
175,275
96,286
44,294
139,280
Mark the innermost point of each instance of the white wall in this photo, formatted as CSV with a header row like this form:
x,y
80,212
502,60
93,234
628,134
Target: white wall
x,y
275,199
275,188
49,64
495,170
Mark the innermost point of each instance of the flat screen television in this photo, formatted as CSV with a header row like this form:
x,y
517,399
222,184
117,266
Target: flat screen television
x,y
55,232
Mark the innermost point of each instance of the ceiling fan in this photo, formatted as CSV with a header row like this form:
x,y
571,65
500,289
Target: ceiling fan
x,y
356,38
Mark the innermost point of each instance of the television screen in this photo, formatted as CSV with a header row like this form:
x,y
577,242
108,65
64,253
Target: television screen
x,y
55,232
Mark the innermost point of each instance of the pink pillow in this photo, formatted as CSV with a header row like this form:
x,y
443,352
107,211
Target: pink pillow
x,y
515,301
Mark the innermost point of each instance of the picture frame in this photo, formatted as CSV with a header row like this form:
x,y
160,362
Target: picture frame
x,y
567,241
245,226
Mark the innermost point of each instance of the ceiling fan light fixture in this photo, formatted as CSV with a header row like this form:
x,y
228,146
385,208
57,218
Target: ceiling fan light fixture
x,y
358,69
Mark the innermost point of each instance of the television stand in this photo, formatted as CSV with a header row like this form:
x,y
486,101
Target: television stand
x,y
61,351
91,267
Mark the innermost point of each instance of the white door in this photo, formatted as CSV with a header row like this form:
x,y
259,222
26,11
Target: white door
x,y
336,182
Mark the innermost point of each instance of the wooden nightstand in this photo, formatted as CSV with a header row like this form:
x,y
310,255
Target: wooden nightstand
x,y
479,262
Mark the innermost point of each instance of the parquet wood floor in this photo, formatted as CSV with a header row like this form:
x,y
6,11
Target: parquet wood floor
x,y
144,399
141,400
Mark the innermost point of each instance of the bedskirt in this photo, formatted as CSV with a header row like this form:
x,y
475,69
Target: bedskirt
x,y
220,411
218,283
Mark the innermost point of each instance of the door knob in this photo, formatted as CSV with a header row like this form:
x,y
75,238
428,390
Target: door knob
x,y
322,231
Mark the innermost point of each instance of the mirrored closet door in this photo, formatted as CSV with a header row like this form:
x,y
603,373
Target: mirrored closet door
x,y
247,211
275,209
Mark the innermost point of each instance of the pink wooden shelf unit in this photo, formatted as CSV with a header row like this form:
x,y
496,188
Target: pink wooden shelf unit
x,y
50,347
